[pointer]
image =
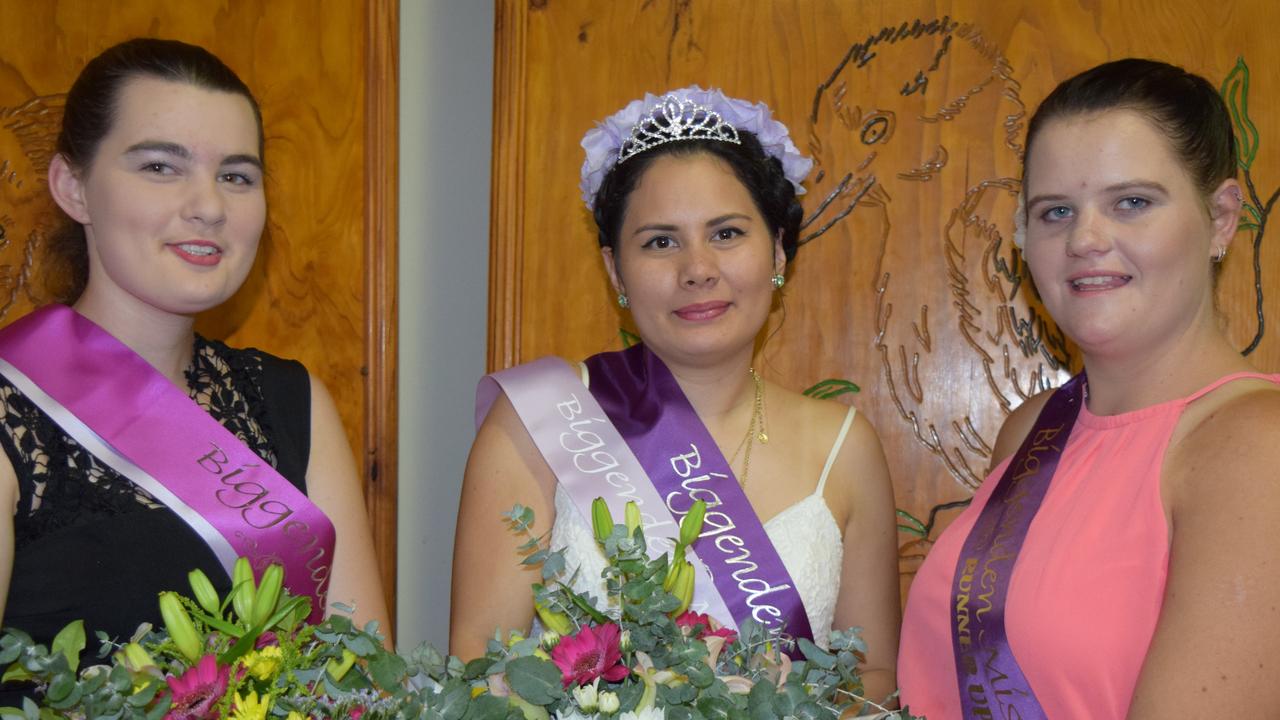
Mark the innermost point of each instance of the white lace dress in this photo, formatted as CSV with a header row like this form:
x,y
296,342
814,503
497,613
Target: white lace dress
x,y
805,535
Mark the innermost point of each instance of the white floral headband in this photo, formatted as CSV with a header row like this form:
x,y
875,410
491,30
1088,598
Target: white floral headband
x,y
686,114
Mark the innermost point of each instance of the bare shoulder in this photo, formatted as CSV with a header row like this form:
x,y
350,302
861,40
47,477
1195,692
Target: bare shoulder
x,y
1017,425
1231,435
860,458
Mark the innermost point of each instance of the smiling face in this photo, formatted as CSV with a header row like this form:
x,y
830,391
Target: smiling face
x,y
695,259
1119,240
172,203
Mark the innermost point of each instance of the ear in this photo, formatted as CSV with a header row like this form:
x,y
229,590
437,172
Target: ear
x,y
67,189
779,255
611,267
1225,205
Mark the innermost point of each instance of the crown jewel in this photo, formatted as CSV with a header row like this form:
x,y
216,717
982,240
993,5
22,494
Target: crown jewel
x,y
673,120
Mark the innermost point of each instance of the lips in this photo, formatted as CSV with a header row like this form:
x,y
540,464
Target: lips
x,y
702,311
197,252
1098,281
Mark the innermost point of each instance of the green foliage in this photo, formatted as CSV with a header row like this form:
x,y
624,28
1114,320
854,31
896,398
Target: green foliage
x,y
831,388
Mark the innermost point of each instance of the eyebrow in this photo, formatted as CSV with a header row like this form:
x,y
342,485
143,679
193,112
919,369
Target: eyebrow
x,y
710,223
1150,185
181,151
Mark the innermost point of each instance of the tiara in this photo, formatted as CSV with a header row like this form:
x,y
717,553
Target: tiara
x,y
673,120
686,114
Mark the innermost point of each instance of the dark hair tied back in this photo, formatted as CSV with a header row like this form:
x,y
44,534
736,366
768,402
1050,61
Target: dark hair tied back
x,y
760,173
1182,105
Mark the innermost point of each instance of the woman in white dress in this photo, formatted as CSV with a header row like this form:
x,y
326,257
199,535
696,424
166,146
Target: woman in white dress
x,y
694,197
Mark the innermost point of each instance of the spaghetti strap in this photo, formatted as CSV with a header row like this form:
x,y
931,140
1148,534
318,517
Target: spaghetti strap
x,y
1274,379
835,449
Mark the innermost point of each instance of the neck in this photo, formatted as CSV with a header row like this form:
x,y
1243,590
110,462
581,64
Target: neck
x,y
719,391
1119,383
161,338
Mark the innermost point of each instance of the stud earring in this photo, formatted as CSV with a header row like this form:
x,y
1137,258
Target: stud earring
x,y
778,281
623,302
1220,255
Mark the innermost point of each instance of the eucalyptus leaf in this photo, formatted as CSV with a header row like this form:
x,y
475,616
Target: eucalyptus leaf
x,y
536,680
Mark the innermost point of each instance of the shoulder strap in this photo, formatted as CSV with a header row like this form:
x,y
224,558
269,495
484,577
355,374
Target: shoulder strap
x,y
1275,379
835,449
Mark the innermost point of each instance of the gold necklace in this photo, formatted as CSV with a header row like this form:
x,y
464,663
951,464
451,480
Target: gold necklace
x,y
755,429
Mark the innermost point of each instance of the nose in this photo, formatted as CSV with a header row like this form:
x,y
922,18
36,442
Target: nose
x,y
699,267
1089,234
204,202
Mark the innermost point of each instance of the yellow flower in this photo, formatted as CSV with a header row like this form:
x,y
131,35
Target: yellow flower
x,y
265,663
295,715
249,707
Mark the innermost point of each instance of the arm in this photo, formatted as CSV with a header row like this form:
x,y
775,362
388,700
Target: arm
x,y
869,576
8,501
333,485
1218,636
490,586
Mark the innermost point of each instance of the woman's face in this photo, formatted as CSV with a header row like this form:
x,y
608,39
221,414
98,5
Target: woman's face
x,y
172,204
1119,239
695,259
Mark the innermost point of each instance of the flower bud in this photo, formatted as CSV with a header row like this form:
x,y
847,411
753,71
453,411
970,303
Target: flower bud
x,y
601,520
243,590
203,591
268,594
632,517
609,703
181,630
691,524
624,642
549,639
557,621
586,697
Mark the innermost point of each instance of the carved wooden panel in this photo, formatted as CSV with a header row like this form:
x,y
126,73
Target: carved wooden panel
x,y
915,112
323,288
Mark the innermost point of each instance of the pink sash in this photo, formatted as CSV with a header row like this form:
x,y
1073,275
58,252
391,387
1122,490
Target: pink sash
x,y
112,402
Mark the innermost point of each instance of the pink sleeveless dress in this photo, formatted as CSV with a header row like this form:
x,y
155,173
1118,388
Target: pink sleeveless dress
x,y
1088,585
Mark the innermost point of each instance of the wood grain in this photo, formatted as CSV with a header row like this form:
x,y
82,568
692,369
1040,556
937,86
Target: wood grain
x,y
916,294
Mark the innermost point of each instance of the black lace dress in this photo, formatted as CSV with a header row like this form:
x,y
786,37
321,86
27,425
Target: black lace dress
x,y
91,545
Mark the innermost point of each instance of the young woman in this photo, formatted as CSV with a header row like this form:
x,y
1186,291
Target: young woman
x,y
694,197
1120,562
134,449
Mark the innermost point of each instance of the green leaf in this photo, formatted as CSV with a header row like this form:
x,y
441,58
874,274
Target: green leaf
x,y
628,338
388,670
535,680
453,702
70,642
1235,91
830,388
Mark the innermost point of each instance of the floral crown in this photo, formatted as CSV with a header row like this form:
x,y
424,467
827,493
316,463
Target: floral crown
x,y
686,114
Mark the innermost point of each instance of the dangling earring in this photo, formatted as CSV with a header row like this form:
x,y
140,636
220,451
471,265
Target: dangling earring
x,y
1220,255
623,302
778,281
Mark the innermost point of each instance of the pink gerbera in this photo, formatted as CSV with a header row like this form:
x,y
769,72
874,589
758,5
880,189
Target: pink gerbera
x,y
197,691
690,620
589,654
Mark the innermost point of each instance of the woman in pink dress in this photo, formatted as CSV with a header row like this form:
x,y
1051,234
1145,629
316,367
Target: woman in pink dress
x,y
1119,562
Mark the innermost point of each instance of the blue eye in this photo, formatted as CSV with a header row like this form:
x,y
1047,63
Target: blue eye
x,y
1133,203
1056,213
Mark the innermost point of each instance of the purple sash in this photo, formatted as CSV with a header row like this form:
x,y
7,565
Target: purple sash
x,y
991,683
645,403
111,401
589,458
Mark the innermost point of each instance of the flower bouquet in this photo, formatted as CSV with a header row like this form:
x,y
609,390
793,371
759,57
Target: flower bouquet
x,y
248,656
640,653
637,654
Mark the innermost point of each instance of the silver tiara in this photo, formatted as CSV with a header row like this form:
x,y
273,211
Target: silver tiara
x,y
673,120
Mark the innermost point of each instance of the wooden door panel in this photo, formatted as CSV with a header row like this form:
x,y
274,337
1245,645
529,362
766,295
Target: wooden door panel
x,y
915,112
